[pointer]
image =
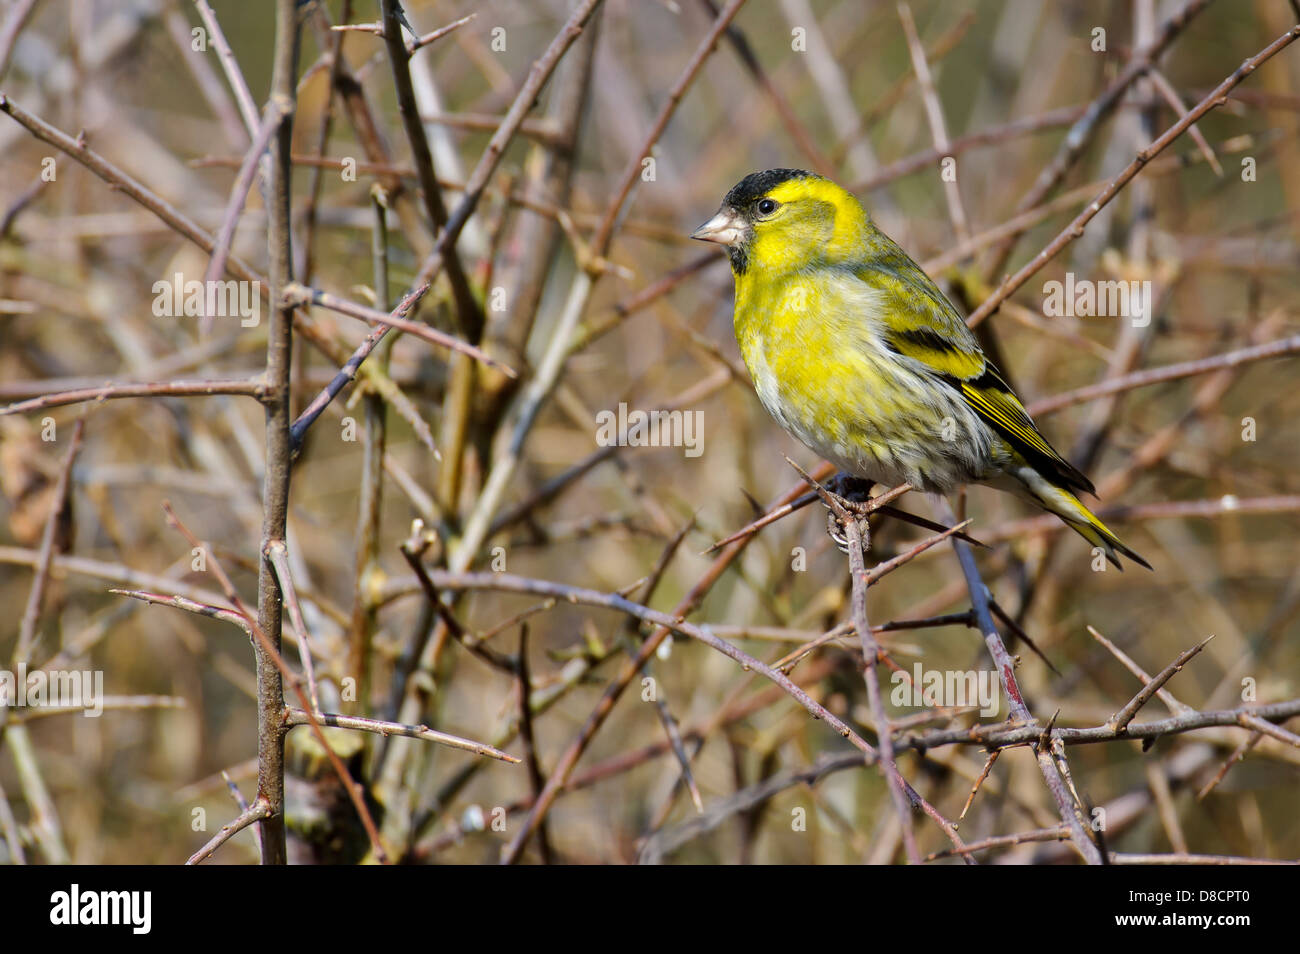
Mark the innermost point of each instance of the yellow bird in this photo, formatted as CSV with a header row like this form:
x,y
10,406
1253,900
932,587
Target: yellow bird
x,y
855,351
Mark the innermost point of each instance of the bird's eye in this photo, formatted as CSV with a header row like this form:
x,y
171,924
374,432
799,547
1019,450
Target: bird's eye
x,y
766,206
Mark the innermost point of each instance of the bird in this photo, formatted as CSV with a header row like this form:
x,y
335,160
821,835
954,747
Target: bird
x,y
856,352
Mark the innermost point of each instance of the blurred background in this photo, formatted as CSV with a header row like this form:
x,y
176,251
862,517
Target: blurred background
x,y
1203,463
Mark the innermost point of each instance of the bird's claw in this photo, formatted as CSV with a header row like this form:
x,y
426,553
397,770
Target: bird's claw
x,y
853,494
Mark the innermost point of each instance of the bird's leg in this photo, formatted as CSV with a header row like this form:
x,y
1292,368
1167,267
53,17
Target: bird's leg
x,y
854,495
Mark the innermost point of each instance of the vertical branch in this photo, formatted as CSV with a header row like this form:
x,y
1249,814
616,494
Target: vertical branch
x,y
49,537
275,487
1018,710
934,113
548,174
468,313
535,777
316,175
884,725
855,535
372,469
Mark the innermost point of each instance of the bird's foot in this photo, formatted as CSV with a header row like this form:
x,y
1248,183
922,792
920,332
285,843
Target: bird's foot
x,y
854,495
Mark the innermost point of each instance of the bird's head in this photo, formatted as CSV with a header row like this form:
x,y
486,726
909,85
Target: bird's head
x,y
785,220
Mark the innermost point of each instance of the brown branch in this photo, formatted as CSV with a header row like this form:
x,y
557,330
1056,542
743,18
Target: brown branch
x,y
1079,135
596,719
268,654
256,812
275,482
348,373
537,76
1252,721
1019,712
605,234
1120,720
113,392
302,295
192,606
278,554
934,115
272,118
469,316
870,654
36,595
124,183
535,777
443,579
1075,229
1004,735
1170,372
381,727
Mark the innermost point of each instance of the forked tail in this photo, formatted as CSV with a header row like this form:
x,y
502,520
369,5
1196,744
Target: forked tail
x,y
1083,521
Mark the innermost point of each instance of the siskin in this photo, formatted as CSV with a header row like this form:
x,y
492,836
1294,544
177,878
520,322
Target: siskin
x,y
855,351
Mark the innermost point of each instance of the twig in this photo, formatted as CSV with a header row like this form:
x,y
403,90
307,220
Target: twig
x,y
1166,89
1007,735
382,727
449,580
771,516
1120,720
907,556
193,606
788,115
230,65
113,392
1252,721
527,407
273,116
934,114
102,703
1169,372
272,833
469,315
1237,755
348,372
16,18
278,554
573,752
984,773
535,777
124,183
1060,833
302,295
9,826
36,595
256,812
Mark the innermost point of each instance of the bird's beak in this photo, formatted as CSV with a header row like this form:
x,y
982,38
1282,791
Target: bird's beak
x,y
724,229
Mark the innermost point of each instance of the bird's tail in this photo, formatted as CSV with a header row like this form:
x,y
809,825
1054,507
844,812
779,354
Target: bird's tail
x,y
1083,521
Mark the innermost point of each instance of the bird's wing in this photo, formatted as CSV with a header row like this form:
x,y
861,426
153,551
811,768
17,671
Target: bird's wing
x,y
926,328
